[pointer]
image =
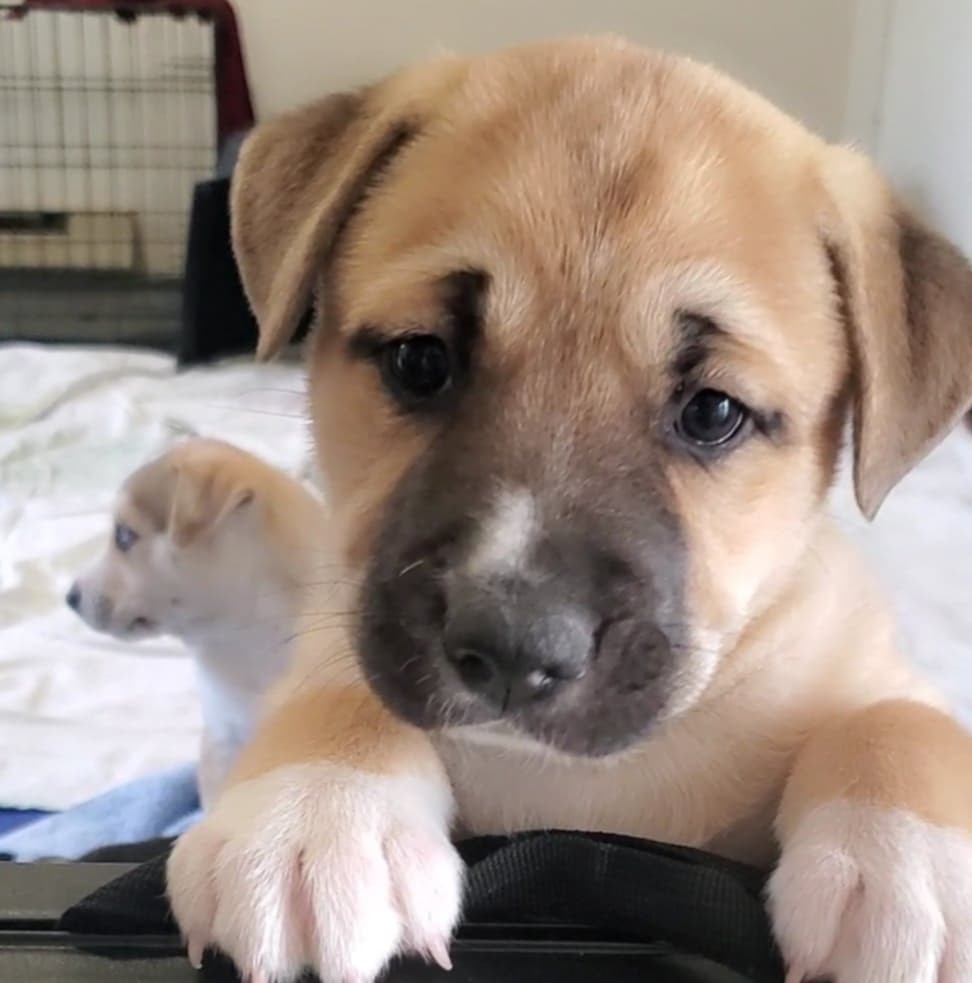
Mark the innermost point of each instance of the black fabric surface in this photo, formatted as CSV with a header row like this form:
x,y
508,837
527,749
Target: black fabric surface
x,y
129,853
216,316
629,888
614,888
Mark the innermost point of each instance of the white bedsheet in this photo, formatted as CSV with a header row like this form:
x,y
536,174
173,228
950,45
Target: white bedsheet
x,y
79,713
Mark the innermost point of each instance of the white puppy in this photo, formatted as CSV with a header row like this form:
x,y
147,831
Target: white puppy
x,y
214,546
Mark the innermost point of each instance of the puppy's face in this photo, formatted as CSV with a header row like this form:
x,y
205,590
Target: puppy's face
x,y
172,558
582,365
131,589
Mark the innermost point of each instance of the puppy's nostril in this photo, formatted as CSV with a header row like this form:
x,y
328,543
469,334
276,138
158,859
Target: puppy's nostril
x,y
476,669
503,684
73,598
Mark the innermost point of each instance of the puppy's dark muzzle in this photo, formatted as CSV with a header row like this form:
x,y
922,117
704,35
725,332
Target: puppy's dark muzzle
x,y
575,641
513,644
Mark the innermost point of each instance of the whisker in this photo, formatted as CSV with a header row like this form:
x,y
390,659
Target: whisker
x,y
227,407
335,659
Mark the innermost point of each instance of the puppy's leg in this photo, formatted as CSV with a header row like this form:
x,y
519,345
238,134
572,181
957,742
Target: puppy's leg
x,y
328,849
874,883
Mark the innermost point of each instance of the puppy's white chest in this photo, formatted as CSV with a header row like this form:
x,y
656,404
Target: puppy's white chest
x,y
661,795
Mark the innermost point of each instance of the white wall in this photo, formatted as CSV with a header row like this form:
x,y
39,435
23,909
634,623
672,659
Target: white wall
x,y
924,133
894,76
798,52
868,63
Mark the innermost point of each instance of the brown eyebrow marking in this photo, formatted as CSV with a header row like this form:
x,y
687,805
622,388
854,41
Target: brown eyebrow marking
x,y
694,345
369,339
698,333
462,295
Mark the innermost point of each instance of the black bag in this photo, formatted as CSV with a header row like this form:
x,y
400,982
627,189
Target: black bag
x,y
216,317
558,906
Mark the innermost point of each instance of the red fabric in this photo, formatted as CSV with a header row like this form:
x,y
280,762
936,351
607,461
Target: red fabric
x,y
234,109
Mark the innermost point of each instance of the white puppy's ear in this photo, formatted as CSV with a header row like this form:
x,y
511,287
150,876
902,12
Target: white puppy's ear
x,y
906,296
202,497
300,177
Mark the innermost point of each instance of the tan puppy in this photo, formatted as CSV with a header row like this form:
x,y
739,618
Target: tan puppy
x,y
216,547
590,322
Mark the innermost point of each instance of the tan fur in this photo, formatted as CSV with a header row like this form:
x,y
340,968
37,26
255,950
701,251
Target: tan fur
x,y
339,141
720,204
342,724
907,295
361,438
200,502
200,481
880,756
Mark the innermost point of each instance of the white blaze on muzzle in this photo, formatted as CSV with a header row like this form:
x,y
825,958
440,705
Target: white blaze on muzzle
x,y
506,536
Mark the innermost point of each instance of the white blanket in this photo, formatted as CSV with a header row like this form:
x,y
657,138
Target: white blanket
x,y
79,713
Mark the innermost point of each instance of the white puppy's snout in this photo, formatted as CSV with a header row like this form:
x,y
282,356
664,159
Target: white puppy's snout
x,y
92,597
92,606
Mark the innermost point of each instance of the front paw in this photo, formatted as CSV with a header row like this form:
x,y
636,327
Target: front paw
x,y
870,895
320,867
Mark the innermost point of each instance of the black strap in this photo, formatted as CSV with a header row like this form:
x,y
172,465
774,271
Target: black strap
x,y
614,887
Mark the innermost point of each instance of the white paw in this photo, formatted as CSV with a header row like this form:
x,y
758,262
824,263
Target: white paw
x,y
870,895
321,867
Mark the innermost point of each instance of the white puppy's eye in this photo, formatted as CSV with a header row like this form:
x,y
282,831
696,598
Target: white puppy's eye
x,y
125,537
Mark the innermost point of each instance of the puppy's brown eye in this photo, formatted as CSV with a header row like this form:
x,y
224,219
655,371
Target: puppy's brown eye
x,y
416,368
125,537
711,418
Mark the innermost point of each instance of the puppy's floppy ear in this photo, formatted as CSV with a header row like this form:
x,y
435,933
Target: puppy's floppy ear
x,y
299,178
203,495
907,299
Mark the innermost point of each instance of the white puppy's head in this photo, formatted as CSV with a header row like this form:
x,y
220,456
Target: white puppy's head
x,y
190,543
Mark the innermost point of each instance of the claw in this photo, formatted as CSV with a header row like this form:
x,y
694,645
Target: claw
x,y
195,950
257,976
439,952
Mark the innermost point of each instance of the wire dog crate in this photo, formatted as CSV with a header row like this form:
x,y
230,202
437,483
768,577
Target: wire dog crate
x,y
108,119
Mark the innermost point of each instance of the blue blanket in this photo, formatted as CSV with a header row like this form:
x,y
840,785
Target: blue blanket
x,y
12,818
163,804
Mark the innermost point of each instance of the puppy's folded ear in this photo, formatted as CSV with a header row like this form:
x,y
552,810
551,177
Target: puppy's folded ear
x,y
203,495
906,295
299,179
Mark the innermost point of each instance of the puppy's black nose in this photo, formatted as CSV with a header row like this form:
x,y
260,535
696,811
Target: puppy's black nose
x,y
73,597
512,649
